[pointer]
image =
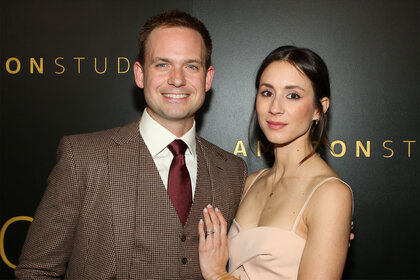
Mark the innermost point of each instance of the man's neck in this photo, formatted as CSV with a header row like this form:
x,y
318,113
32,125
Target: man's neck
x,y
176,127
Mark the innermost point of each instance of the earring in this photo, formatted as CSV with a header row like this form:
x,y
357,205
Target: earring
x,y
316,122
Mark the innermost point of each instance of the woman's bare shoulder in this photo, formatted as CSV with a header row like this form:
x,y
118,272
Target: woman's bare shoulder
x,y
250,180
332,196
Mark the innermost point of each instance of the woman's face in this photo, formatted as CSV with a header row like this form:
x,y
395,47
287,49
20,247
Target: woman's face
x,y
285,103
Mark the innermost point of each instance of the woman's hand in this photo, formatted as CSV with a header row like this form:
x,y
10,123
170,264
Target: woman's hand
x,y
212,248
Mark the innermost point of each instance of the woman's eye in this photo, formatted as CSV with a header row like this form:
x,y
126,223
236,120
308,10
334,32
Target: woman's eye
x,y
266,93
293,95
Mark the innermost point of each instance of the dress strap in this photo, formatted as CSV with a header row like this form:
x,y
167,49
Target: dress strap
x,y
309,198
252,183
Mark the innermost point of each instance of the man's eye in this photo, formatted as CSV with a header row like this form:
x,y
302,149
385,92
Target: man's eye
x,y
293,95
192,67
161,65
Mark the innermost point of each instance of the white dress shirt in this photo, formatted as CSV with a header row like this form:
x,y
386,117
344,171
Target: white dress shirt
x,y
157,138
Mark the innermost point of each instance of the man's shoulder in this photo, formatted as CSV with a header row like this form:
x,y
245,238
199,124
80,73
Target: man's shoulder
x,y
119,133
217,151
102,139
235,169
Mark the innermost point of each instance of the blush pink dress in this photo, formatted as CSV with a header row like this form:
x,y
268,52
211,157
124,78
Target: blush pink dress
x,y
267,252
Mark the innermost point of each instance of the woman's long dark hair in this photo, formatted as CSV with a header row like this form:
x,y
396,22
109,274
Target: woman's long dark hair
x,y
315,69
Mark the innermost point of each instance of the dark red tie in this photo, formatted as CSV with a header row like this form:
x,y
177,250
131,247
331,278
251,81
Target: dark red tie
x,y
179,182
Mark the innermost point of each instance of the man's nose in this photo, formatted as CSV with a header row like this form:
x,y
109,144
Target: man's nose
x,y
177,77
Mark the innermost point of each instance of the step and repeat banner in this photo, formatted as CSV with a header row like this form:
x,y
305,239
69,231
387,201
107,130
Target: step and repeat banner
x,y
66,68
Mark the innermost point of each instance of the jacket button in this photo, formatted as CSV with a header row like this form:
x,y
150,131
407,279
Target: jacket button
x,y
184,260
183,238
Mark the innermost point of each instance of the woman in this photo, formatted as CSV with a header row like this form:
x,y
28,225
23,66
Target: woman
x,y
294,219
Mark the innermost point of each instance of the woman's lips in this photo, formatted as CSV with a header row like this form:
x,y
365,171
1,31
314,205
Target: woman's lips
x,y
276,125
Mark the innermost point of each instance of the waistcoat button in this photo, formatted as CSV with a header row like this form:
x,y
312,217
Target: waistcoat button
x,y
184,260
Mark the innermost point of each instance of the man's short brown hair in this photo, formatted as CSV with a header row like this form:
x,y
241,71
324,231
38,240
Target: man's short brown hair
x,y
173,18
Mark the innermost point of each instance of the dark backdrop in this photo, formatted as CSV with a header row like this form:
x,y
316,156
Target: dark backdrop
x,y
371,48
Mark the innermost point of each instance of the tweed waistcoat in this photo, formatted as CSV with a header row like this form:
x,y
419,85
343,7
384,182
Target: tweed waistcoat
x,y
158,228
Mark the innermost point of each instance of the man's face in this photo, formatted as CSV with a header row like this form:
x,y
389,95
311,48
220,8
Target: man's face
x,y
174,76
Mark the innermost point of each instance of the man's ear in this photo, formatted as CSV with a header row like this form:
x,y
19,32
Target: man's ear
x,y
138,74
209,77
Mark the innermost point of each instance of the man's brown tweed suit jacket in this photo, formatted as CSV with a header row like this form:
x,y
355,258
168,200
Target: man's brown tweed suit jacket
x,y
106,214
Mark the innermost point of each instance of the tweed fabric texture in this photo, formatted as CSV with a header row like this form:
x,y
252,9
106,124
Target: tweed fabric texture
x,y
106,214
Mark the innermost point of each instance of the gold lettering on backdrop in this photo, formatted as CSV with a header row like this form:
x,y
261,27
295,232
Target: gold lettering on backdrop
x,y
59,65
359,146
121,65
3,232
240,148
16,61
388,148
409,146
128,65
338,148
39,67
96,69
78,58
343,148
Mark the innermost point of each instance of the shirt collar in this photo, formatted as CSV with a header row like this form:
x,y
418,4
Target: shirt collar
x,y
157,138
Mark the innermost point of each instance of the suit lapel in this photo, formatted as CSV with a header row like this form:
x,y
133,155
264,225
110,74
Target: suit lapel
x,y
217,166
210,188
124,182
202,196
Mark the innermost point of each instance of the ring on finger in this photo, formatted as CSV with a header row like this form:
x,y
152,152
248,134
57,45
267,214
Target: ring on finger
x,y
212,231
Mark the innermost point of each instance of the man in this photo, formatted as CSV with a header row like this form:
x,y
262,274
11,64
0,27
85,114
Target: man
x,y
116,205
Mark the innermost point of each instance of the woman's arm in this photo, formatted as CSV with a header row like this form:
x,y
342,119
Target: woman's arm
x,y
328,220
